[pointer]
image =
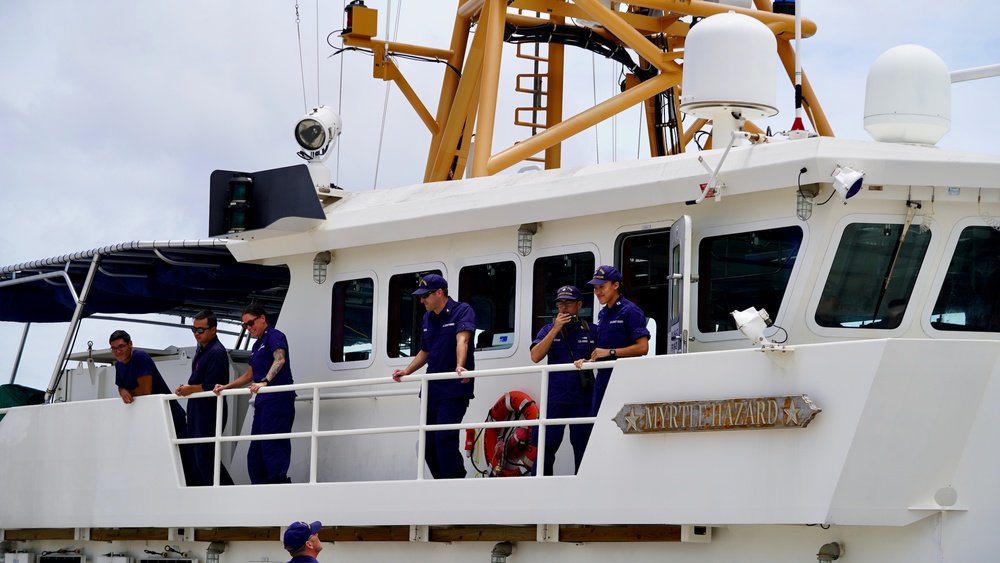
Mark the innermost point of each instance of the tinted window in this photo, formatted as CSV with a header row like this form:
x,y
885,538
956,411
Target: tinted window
x,y
970,295
352,317
742,270
405,315
872,276
552,272
490,290
645,266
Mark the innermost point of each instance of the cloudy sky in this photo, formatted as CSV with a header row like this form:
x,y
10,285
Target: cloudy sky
x,y
113,113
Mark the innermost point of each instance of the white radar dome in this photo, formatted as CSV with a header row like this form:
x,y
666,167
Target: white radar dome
x,y
729,64
908,97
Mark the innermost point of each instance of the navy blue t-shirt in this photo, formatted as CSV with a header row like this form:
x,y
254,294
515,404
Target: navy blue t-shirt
x,y
438,340
564,386
210,366
261,359
127,375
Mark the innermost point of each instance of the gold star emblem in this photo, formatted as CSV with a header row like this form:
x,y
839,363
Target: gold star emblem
x,y
792,416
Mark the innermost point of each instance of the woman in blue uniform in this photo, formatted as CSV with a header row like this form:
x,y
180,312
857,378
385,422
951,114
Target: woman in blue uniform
x,y
274,413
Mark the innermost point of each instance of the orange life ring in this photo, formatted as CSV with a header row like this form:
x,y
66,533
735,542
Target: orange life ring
x,y
508,451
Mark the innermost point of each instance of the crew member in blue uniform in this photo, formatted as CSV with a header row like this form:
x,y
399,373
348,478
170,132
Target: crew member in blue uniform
x,y
566,339
621,328
446,345
210,367
302,541
274,413
136,376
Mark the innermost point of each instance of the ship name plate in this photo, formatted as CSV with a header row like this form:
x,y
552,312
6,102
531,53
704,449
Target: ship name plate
x,y
748,413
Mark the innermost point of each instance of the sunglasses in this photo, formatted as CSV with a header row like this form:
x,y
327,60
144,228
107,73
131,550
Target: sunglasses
x,y
250,323
201,329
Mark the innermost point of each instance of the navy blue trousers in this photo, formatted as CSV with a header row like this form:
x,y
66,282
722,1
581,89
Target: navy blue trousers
x,y
579,435
442,448
268,460
201,424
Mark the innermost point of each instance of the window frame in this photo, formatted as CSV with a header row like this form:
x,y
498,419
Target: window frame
x,y
789,301
376,316
919,284
587,292
937,284
518,297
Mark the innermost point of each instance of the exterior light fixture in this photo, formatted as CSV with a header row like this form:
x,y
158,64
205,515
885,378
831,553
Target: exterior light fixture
x,y
501,551
847,181
829,552
320,262
524,235
317,133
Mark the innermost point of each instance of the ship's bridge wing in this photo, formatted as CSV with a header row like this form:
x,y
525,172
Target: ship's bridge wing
x,y
173,277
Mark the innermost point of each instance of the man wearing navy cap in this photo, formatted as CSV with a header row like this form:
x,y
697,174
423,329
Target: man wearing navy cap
x,y
566,339
621,328
302,542
445,346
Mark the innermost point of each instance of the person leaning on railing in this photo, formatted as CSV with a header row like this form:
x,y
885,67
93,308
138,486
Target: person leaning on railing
x,y
274,413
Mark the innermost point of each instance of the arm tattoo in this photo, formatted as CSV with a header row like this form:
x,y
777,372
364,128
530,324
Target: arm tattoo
x,y
279,362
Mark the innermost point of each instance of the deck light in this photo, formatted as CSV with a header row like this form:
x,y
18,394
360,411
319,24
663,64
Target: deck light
x,y
317,133
847,181
501,551
524,235
752,323
829,552
320,262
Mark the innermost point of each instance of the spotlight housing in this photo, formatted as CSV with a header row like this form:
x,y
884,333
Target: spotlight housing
x,y
847,181
318,132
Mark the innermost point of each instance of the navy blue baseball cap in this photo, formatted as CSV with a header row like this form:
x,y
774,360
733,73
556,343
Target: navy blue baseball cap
x,y
430,282
298,534
605,274
569,292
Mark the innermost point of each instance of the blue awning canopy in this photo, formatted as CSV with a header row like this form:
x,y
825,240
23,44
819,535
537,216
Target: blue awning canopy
x,y
169,277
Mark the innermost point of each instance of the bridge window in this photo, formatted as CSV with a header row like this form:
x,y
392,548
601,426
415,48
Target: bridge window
x,y
741,270
970,295
552,272
490,290
405,315
872,276
352,319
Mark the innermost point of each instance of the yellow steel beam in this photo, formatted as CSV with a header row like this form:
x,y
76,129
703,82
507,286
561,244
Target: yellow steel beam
x,y
449,85
554,99
581,121
461,112
385,69
628,34
494,13
394,47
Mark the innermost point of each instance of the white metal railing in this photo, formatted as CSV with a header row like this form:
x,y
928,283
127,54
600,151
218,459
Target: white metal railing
x,y
314,434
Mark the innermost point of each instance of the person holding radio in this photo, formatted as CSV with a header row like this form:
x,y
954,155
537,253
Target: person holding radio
x,y
566,339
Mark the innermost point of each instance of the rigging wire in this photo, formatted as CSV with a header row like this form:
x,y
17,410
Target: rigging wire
x,y
302,68
385,102
319,99
340,84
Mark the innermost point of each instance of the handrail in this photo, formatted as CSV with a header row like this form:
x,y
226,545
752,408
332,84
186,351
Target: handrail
x,y
421,426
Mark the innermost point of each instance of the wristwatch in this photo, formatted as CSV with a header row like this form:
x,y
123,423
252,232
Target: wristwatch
x,y
612,353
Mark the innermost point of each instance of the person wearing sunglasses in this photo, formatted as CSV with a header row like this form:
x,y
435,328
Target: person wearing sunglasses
x,y
136,376
445,346
209,367
566,339
274,413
